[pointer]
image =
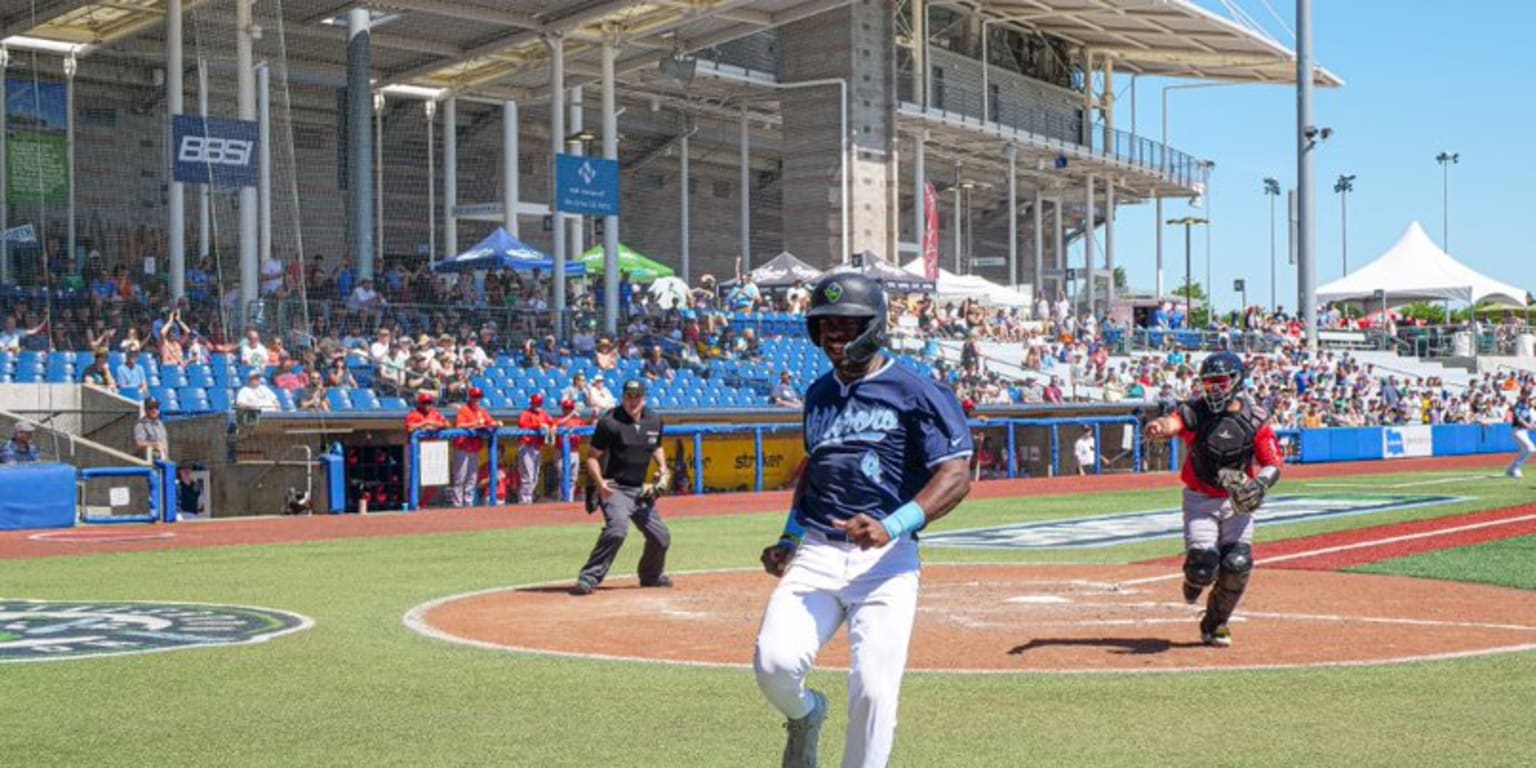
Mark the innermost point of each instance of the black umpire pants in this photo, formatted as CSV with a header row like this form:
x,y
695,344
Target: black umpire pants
x,y
624,505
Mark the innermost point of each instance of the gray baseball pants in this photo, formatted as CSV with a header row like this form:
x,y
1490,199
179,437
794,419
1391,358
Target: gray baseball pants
x,y
624,505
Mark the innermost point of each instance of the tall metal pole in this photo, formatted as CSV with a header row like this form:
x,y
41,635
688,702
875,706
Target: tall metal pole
x,y
1272,191
1038,220
1189,311
1306,267
1090,249
176,205
378,179
1344,229
71,65
686,235
556,43
430,107
610,152
959,226
264,163
360,139
1013,217
509,168
5,213
745,167
575,124
1109,242
1446,160
245,82
920,191
451,177
204,191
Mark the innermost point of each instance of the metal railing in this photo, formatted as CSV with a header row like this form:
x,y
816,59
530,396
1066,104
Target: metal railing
x,y
965,101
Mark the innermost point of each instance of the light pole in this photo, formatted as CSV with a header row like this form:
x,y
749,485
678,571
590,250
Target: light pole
x,y
1188,221
1344,186
1446,160
1272,191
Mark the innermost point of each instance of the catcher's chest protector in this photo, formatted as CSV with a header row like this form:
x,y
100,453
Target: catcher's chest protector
x,y
1223,440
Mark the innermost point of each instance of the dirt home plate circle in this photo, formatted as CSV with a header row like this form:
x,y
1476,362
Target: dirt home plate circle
x,y
1019,618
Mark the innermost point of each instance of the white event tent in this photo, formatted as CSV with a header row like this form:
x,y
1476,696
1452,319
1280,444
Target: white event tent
x,y
953,286
1415,269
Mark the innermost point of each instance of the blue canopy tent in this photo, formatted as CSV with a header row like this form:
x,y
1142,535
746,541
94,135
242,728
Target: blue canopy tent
x,y
500,250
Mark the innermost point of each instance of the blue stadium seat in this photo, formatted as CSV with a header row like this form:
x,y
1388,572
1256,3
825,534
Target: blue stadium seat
x,y
393,403
338,400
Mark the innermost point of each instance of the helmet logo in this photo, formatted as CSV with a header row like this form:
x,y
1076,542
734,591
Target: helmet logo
x,y
833,292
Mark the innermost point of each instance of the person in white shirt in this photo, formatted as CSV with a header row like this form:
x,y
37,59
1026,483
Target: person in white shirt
x,y
256,395
364,296
252,352
379,349
599,397
1085,450
271,275
798,298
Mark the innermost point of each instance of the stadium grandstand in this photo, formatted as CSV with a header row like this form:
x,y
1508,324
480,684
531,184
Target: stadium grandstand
x,y
360,202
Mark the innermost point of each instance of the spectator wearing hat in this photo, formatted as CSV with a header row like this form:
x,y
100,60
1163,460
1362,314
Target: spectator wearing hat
x,y
625,443
130,377
607,355
19,449
530,447
466,450
256,395
149,435
599,398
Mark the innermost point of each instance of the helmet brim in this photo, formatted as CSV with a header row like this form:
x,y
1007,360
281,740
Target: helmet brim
x,y
840,310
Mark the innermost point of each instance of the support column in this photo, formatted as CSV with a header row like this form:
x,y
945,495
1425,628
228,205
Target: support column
x,y
920,183
556,43
1107,106
959,226
920,53
1039,221
686,236
575,236
360,140
509,168
71,65
378,180
1013,217
1060,240
1090,251
176,203
450,176
1109,242
5,211
263,162
430,108
245,80
204,191
1306,208
745,163
610,223
1086,134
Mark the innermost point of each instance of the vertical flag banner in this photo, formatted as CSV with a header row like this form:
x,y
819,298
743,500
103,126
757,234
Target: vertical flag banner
x,y
931,233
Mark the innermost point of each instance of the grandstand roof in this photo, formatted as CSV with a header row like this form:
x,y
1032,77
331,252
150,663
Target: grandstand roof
x,y
496,46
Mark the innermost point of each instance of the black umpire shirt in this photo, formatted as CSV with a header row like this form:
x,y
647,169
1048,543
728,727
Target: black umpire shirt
x,y
627,444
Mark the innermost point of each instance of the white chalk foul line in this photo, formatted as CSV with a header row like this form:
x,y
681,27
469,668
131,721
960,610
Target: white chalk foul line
x,y
1410,484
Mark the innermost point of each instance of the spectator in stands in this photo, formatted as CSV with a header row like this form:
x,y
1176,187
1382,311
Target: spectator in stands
x,y
797,299
607,356
551,354
338,375
20,448
287,378
379,349
364,298
784,394
171,333
256,395
1052,393
253,353
656,366
599,398
530,447
577,391
149,436
746,295
313,397
99,374
11,337
130,377
419,376
1085,449
747,346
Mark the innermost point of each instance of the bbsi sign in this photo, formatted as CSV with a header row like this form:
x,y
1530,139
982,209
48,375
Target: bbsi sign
x,y
215,151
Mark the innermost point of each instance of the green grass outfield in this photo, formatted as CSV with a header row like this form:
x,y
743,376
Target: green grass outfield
x,y
361,689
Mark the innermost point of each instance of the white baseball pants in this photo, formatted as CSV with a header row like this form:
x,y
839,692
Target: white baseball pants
x,y
1523,442
1210,523
875,592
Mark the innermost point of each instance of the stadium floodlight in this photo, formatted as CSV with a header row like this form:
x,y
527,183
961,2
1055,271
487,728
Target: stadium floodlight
x,y
678,68
44,45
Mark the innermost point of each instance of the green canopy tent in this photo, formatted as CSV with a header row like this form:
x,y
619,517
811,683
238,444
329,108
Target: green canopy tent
x,y
639,268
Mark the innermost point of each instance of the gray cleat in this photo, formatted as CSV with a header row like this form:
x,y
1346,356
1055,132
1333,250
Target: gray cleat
x,y
800,750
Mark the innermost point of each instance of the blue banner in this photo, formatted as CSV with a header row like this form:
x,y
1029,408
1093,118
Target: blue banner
x,y
587,186
215,151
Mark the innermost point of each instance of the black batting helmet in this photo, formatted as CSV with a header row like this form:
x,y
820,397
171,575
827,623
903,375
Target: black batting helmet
x,y
1221,376
850,294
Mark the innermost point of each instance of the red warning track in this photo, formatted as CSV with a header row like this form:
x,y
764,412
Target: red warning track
x,y
272,530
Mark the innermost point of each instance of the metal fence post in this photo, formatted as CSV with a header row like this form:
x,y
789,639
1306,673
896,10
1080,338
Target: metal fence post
x,y
1013,459
757,464
698,462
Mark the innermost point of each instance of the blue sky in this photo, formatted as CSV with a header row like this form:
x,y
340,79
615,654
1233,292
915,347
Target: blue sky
x,y
1420,78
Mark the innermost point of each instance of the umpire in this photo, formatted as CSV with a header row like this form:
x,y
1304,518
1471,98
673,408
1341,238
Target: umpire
x,y
625,442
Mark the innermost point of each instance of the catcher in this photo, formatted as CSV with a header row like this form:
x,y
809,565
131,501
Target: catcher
x,y
1233,459
624,443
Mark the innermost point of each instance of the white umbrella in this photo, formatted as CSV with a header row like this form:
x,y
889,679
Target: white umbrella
x,y
670,292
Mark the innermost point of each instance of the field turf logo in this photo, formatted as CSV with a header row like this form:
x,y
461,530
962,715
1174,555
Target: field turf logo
x,y
49,630
1111,530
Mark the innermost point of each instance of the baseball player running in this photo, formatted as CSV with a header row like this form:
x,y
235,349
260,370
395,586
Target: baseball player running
x,y
1233,459
887,452
1521,420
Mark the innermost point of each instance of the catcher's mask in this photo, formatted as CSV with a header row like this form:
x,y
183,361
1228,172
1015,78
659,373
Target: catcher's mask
x,y
1221,377
849,294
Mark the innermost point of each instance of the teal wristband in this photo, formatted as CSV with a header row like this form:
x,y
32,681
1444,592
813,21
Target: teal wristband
x,y
792,527
908,517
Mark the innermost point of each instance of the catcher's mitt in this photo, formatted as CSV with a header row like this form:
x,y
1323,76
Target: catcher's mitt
x,y
1246,493
662,486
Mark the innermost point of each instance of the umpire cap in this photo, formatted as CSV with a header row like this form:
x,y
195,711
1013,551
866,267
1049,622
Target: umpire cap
x,y
850,294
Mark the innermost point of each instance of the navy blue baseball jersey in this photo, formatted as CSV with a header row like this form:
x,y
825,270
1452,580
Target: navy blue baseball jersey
x,y
1522,416
874,444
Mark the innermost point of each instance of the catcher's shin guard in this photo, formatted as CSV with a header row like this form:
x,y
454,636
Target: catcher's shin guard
x,y
1200,567
1231,582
